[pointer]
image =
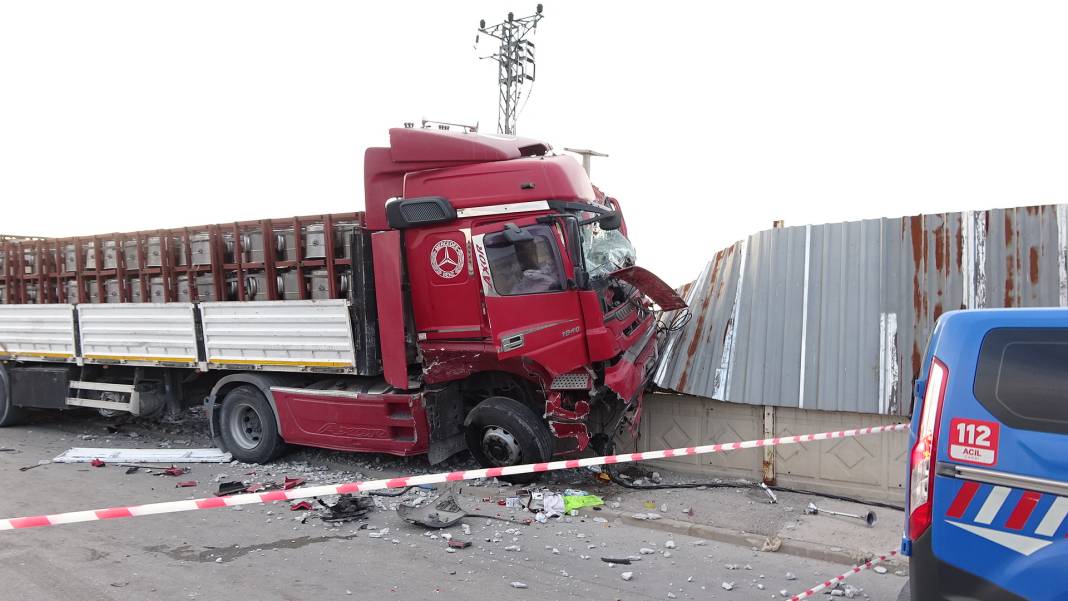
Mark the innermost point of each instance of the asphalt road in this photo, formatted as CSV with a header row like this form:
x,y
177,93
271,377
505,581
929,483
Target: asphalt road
x,y
265,552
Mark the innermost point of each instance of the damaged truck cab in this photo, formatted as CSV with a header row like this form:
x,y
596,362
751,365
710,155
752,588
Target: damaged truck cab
x,y
528,316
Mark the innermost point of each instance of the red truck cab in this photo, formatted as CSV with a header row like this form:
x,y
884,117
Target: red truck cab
x,y
525,304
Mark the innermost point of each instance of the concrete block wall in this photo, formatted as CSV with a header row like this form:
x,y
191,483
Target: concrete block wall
x,y
868,467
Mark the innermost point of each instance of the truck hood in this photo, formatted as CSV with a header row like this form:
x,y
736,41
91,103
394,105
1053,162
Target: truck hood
x,y
652,286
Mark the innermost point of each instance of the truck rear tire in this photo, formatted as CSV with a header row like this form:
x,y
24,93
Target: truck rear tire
x,y
10,415
248,426
501,431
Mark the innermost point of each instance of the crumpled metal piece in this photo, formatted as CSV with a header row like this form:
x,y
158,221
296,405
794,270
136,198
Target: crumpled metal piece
x,y
444,512
347,508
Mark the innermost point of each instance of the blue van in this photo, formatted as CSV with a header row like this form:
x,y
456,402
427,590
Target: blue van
x,y
987,495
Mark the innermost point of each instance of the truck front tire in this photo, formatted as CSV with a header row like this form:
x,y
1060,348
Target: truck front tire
x,y
10,415
501,431
248,426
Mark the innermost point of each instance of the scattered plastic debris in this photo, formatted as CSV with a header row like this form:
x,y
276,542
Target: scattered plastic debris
x,y
230,488
348,508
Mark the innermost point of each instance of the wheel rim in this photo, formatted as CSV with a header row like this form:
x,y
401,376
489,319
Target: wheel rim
x,y
111,397
500,447
246,426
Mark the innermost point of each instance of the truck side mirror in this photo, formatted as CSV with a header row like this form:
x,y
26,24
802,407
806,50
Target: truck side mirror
x,y
611,221
607,221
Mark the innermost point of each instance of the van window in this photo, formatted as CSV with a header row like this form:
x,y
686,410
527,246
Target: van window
x,y
1022,377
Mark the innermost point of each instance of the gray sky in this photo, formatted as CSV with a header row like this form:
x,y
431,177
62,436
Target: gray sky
x,y
719,117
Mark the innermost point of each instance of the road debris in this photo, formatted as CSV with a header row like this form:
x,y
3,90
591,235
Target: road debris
x,y
627,575
301,506
769,492
347,508
443,513
771,544
646,516
175,471
230,488
868,518
519,585
86,455
97,463
186,484
727,586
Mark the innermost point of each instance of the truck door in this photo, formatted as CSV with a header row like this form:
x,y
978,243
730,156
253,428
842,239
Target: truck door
x,y
532,309
445,297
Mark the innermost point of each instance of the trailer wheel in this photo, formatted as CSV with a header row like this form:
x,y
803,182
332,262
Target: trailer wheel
x,y
10,415
248,427
501,431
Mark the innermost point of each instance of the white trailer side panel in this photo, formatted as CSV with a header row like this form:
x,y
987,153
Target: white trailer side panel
x,y
298,335
37,332
138,333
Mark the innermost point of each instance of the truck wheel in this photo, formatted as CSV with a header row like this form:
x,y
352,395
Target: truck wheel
x,y
501,431
10,415
248,427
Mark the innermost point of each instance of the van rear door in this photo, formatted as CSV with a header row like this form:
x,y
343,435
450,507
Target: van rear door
x,y
1001,479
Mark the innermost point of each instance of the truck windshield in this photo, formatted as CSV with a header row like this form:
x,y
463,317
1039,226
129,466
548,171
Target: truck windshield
x,y
526,266
605,251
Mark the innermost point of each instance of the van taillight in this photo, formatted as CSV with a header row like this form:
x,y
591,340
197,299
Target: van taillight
x,y
922,458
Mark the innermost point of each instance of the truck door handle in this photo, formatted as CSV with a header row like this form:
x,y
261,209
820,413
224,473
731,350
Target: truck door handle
x,y
511,343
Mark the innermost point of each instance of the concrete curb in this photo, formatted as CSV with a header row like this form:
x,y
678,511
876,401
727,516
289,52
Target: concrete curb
x,y
850,557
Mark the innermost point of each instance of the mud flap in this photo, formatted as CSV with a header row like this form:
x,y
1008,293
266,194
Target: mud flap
x,y
445,414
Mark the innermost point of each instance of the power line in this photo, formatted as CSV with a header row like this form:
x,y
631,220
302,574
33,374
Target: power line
x,y
515,64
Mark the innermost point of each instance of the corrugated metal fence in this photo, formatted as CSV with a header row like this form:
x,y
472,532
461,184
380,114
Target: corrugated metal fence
x,y
835,316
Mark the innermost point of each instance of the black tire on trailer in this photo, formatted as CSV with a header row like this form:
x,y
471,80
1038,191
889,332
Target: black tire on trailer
x,y
10,415
248,426
501,431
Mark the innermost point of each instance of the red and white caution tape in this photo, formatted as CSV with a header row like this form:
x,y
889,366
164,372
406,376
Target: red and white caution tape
x,y
354,487
834,581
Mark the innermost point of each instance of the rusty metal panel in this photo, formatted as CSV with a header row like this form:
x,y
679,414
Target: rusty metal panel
x,y
694,355
836,316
